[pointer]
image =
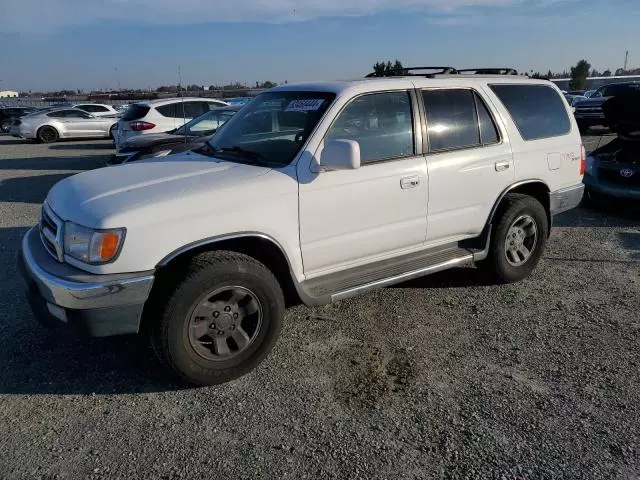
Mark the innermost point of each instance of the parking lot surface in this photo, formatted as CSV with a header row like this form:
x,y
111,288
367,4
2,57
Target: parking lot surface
x,y
448,376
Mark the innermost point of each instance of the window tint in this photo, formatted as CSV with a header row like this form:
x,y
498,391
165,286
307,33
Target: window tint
x,y
170,110
56,115
193,109
65,114
135,112
488,130
93,108
451,119
613,90
537,110
77,114
381,123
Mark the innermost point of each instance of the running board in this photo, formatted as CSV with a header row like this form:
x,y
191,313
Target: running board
x,y
341,285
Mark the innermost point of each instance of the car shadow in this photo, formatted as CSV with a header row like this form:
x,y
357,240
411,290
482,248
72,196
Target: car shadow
x,y
105,145
462,277
80,162
36,360
15,141
588,215
29,189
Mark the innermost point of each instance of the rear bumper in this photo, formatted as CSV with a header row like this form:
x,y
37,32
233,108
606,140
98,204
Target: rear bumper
x,y
592,184
565,198
96,305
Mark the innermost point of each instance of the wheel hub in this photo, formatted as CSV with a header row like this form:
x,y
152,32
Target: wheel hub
x,y
521,240
224,322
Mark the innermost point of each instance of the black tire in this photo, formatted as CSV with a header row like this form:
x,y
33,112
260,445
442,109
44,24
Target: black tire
x,y
5,126
47,134
515,207
170,335
111,132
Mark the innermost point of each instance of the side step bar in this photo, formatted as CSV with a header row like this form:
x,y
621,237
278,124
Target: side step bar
x,y
455,262
357,280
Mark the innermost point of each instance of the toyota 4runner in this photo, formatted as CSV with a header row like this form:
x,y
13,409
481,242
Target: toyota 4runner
x,y
313,192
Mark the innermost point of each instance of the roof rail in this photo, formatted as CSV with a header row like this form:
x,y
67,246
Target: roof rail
x,y
400,72
489,71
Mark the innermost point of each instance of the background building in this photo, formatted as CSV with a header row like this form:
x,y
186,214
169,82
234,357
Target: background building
x,y
8,94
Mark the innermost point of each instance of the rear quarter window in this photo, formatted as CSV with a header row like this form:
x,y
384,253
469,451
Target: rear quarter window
x,y
537,110
135,112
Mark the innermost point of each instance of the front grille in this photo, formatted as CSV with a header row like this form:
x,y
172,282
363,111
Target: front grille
x,y
613,176
51,232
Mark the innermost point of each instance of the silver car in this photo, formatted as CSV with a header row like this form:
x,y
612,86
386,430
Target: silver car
x,y
50,125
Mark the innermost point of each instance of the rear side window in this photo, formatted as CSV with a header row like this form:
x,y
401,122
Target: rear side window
x,y
93,108
537,110
135,112
452,121
488,130
194,109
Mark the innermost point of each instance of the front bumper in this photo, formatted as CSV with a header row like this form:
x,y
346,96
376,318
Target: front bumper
x,y
96,305
565,198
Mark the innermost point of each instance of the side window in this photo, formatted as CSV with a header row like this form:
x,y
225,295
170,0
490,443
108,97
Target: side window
x,y
193,109
56,114
452,121
169,110
213,105
381,123
77,114
537,110
488,130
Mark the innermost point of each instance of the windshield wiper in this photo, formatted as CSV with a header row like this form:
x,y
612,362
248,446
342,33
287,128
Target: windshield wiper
x,y
248,154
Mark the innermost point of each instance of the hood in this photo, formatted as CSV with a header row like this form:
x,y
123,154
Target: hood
x,y
590,102
102,198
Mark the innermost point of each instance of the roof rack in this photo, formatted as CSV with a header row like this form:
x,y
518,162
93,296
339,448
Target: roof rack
x,y
400,72
490,71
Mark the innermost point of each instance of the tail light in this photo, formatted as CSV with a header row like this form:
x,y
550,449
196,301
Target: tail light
x,y
583,160
140,126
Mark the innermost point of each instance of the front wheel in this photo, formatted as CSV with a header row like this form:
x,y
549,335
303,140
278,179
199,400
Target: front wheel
x,y
221,321
518,239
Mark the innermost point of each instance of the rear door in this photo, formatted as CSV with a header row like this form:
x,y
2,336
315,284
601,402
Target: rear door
x,y
469,161
83,124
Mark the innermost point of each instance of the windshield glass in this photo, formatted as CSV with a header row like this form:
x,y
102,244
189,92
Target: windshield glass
x,y
613,90
206,124
272,128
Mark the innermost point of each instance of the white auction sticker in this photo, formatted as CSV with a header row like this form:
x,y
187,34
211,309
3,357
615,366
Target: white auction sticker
x,y
307,105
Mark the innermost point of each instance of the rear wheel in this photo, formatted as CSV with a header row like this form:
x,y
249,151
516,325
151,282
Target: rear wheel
x,y
5,126
518,238
47,135
221,321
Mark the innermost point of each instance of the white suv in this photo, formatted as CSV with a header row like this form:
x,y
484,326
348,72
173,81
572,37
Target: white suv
x,y
97,109
159,116
315,193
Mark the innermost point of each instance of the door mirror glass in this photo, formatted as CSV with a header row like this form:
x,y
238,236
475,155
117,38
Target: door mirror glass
x,y
340,155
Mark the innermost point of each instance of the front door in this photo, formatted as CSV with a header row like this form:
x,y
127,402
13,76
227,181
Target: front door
x,y
351,217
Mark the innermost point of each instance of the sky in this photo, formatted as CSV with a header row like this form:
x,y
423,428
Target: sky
x,y
96,44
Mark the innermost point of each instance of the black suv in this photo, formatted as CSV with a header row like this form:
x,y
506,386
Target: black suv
x,y
589,113
9,114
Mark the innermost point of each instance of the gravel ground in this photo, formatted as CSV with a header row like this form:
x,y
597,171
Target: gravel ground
x,y
443,377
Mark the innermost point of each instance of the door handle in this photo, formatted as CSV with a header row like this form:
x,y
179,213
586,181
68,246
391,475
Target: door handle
x,y
409,182
501,166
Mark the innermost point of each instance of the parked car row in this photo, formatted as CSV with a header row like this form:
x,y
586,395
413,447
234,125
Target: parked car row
x,y
589,111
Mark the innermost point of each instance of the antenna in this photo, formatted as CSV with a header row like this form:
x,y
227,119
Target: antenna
x,y
626,60
184,115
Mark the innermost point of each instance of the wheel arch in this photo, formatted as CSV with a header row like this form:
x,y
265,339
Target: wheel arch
x,y
45,125
262,247
535,188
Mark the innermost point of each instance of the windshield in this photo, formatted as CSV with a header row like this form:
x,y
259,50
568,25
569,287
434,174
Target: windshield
x,y
613,90
206,124
272,128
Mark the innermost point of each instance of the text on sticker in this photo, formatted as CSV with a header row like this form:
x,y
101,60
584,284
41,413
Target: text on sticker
x,y
308,105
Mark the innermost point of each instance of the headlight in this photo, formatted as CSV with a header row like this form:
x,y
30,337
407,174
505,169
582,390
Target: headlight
x,y
92,246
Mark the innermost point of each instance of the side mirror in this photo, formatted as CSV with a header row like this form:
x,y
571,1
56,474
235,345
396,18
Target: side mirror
x,y
340,155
